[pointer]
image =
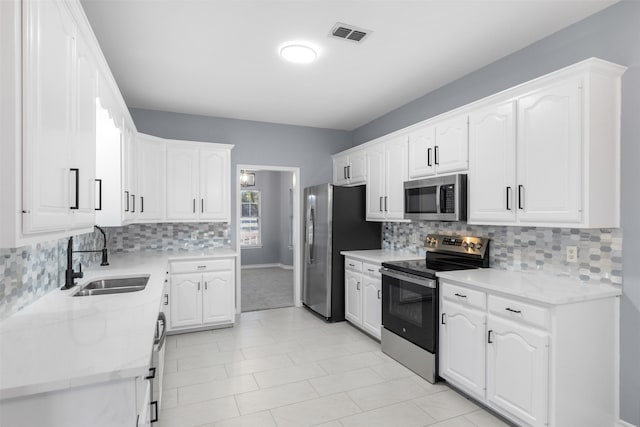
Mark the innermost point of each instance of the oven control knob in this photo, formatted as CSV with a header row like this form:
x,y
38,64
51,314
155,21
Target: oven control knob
x,y
472,246
478,245
465,245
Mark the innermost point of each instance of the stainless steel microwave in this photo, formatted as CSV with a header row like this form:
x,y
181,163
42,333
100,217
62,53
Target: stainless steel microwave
x,y
442,198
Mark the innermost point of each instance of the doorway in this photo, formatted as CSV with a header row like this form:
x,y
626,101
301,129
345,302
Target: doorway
x,y
267,224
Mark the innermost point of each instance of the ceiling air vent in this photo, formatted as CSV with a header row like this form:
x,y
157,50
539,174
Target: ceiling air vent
x,y
349,32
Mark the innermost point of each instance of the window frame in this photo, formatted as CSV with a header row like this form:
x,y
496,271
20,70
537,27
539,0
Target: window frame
x,y
259,219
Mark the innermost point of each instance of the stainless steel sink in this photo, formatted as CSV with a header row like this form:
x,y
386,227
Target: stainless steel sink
x,y
113,286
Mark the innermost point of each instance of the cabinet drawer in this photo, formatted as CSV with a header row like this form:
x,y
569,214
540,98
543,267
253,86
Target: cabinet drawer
x,y
464,296
352,264
201,265
371,269
519,311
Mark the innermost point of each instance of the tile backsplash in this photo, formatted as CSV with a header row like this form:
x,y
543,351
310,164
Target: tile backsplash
x,y
526,248
30,272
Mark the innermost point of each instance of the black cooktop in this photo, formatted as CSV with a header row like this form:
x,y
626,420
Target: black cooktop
x,y
424,268
446,253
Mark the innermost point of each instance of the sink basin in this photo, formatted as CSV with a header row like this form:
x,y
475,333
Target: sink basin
x,y
113,286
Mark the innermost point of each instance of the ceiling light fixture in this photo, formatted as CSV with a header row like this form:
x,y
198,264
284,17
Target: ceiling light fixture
x,y
298,53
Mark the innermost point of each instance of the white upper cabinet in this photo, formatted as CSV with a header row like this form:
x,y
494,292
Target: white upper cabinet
x,y
59,95
549,154
387,169
350,168
439,148
182,182
151,168
198,181
491,183
214,184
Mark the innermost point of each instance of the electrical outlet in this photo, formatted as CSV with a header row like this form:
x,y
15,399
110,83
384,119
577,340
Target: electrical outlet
x,y
194,235
572,254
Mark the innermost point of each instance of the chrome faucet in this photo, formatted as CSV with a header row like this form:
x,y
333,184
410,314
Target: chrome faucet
x,y
71,275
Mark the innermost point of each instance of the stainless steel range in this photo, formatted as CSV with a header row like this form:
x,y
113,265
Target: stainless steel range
x,y
410,299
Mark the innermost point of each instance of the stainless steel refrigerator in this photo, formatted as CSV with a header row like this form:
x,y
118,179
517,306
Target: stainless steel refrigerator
x,y
334,222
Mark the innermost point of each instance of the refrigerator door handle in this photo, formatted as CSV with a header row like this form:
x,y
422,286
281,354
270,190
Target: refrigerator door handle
x,y
311,233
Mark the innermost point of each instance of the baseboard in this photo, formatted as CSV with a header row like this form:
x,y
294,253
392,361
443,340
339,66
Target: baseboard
x,y
621,423
283,266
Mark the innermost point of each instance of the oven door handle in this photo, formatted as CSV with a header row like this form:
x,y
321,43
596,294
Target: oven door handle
x,y
422,281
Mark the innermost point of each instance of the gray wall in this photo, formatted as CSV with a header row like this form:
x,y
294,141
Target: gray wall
x,y
275,208
614,35
256,143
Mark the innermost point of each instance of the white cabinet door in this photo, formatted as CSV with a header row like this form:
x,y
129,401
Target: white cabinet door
x,y
83,145
353,299
517,370
376,177
340,165
421,152
218,297
372,305
186,300
182,182
130,174
357,167
396,173
492,171
214,200
48,87
451,152
151,178
550,155
462,347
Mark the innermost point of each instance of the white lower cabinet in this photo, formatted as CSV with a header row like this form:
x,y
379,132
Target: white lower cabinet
x,y
537,364
517,370
363,295
202,293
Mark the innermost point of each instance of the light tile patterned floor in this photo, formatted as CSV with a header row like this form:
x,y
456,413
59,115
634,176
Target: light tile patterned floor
x,y
285,367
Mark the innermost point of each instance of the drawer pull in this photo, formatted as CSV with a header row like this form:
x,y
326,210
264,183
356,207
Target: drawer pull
x,y
460,295
512,310
200,267
370,270
351,265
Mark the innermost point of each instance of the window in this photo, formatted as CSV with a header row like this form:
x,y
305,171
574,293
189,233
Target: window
x,y
250,218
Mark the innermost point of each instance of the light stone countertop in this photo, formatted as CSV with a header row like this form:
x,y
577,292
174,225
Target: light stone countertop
x,y
381,255
61,341
533,286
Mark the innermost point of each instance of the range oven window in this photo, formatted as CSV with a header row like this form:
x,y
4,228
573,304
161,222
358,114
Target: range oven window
x,y
421,200
410,310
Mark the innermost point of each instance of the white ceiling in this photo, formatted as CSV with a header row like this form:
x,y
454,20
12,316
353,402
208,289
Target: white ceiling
x,y
220,58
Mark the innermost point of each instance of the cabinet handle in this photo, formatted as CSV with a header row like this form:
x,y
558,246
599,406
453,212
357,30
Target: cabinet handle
x,y
436,157
352,265
141,204
344,172
370,270
205,286
489,335
202,205
154,418
200,267
349,172
385,203
133,203
99,182
443,318
126,209
429,157
358,286
380,203
76,204
460,295
508,204
198,285
520,197
513,311
166,299
194,205
152,374
379,296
